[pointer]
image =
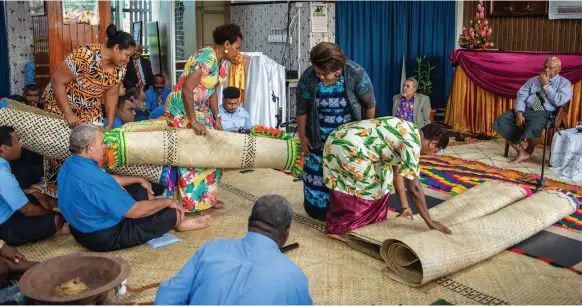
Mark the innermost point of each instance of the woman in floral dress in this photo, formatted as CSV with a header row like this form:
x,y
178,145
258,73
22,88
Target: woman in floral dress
x,y
193,105
331,92
358,167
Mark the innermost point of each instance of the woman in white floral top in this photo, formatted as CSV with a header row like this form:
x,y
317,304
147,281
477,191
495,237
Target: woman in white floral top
x,y
359,161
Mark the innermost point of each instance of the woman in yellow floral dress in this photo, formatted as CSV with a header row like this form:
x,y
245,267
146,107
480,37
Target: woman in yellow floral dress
x,y
90,74
193,105
358,163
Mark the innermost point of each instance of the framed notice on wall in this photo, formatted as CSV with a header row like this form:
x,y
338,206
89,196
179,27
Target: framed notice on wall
x,y
318,17
565,10
81,12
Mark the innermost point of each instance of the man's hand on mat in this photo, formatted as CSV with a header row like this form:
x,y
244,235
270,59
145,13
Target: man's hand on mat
x,y
406,212
435,225
11,253
199,128
305,143
519,120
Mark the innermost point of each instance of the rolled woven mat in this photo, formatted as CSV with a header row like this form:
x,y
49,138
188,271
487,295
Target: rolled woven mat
x,y
152,143
419,258
474,203
163,175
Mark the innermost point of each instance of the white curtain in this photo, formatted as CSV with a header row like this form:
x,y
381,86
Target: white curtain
x,y
265,78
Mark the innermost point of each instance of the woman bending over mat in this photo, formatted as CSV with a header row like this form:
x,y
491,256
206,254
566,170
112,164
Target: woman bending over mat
x,y
89,74
359,162
193,105
331,92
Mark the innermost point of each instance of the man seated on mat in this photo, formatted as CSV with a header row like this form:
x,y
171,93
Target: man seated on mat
x,y
22,218
251,270
234,117
528,118
104,217
125,113
157,94
137,96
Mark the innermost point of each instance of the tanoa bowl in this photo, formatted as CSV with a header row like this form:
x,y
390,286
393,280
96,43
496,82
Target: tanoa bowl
x,y
100,272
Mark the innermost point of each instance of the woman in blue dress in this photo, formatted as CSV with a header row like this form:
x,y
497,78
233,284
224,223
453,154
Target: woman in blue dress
x,y
331,92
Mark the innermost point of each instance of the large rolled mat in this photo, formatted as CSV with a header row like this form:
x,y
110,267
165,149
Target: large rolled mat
x,y
472,204
152,143
419,258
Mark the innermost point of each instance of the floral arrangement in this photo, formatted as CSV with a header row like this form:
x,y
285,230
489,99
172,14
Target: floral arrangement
x,y
478,35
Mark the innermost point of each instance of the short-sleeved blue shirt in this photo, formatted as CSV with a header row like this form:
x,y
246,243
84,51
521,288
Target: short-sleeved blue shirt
x,y
90,199
12,198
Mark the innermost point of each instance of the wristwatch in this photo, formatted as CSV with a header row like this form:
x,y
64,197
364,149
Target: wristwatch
x,y
217,116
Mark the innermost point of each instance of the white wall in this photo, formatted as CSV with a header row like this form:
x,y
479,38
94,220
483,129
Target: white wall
x,y
256,20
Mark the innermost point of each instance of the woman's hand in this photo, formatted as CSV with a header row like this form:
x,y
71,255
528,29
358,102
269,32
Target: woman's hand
x,y
305,143
199,128
218,124
439,227
406,212
72,120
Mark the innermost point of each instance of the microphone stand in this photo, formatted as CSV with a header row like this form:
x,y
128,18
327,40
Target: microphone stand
x,y
541,183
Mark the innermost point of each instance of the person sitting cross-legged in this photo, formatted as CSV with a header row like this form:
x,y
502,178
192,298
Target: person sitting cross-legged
x,y
251,270
527,120
125,113
23,219
103,217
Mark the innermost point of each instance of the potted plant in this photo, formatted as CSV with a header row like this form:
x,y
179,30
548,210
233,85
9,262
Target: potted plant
x,y
423,76
478,35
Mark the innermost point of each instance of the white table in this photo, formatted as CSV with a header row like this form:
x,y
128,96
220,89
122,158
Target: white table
x,y
567,154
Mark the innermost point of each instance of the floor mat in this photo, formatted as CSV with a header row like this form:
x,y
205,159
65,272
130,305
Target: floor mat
x,y
449,174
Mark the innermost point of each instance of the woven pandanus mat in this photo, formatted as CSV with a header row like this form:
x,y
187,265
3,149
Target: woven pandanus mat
x,y
337,273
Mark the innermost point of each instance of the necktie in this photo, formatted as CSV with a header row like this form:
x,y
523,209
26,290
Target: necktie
x,y
537,102
139,81
159,99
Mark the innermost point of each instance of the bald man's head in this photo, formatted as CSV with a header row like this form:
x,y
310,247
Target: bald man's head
x,y
552,66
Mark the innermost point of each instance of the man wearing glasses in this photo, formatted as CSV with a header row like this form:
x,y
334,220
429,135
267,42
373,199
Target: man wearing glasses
x,y
545,92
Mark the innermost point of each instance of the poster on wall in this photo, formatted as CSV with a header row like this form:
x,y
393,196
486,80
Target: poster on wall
x,y
81,12
565,9
318,17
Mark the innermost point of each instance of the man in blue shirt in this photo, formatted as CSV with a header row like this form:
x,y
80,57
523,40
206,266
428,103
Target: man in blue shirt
x,y
22,218
527,120
103,217
125,113
156,95
251,270
234,117
137,96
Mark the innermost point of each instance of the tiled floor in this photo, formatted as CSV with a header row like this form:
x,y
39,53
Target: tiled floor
x,y
491,153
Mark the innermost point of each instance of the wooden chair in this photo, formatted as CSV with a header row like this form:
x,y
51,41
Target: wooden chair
x,y
561,117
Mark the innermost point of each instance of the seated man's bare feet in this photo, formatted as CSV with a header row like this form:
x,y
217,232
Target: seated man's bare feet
x,y
194,223
65,230
218,205
338,237
521,156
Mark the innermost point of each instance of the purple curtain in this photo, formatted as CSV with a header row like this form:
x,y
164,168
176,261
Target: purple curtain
x,y
503,73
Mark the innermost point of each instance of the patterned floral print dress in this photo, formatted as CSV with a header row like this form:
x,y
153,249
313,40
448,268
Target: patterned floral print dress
x,y
197,186
85,95
333,112
357,167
